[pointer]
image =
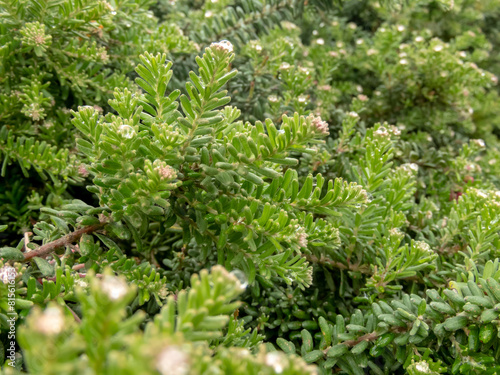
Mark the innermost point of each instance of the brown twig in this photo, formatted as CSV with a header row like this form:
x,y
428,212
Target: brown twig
x,y
46,249
339,265
368,337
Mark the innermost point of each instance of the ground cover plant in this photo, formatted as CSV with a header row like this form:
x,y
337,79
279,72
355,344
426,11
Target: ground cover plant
x,y
247,187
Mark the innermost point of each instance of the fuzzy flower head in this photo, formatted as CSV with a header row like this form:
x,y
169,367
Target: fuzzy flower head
x,y
7,273
82,171
165,171
224,46
420,368
276,360
51,321
273,98
301,236
479,143
115,288
394,130
396,234
423,247
318,125
410,168
34,36
173,361
284,66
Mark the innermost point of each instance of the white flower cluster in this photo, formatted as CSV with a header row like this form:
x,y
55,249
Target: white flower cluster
x,y
114,287
276,360
223,45
423,367
478,142
301,236
6,273
165,171
51,321
172,361
272,98
284,66
423,246
410,167
318,125
395,232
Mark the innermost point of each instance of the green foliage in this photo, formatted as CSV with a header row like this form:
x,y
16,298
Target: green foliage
x,y
325,161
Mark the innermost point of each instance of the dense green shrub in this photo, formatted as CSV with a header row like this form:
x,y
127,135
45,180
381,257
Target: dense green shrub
x,y
341,216
56,56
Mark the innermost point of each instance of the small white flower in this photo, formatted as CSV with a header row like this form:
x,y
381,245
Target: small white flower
x,y
7,273
403,62
172,361
223,45
481,194
284,66
333,54
410,167
302,99
359,42
165,171
276,361
256,45
423,246
393,232
320,41
394,130
81,283
315,32
371,52
51,322
352,25
401,28
438,48
340,45
208,14
478,142
301,237
319,126
304,70
419,39
353,114
114,287
272,98
82,171
423,366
